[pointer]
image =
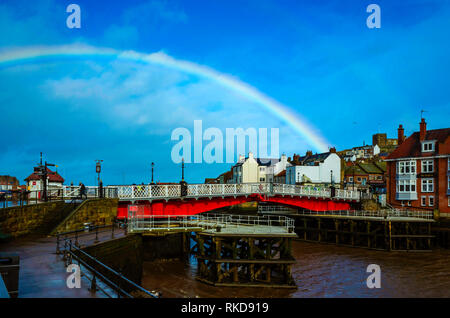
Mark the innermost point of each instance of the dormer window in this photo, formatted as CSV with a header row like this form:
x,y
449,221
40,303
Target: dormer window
x,y
427,146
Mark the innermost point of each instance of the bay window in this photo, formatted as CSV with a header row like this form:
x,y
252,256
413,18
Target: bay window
x,y
406,167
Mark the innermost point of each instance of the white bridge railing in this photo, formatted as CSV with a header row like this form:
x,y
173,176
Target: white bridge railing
x,y
145,192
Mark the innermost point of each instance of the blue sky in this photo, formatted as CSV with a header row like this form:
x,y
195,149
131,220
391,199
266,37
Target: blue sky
x,y
316,57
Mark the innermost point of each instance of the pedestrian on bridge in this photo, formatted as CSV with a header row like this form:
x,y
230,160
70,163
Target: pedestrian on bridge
x,y
82,191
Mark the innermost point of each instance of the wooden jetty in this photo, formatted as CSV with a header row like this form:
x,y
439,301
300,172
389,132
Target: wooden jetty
x,y
368,229
231,250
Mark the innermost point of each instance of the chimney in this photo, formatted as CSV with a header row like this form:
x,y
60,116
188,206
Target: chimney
x,y
423,129
401,135
333,150
309,153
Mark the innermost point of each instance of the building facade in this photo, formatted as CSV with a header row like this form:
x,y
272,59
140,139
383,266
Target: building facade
x,y
8,183
418,171
360,153
254,170
368,176
324,168
35,183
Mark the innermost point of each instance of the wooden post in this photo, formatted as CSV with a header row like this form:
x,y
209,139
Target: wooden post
x,y
305,223
218,247
407,235
336,226
251,256
319,230
269,249
429,233
352,230
390,236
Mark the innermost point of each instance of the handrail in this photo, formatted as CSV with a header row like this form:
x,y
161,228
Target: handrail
x,y
96,273
149,191
83,232
138,222
383,213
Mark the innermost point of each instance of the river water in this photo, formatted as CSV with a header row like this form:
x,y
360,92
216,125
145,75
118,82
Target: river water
x,y
321,271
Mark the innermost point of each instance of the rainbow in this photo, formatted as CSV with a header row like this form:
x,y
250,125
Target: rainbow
x,y
31,54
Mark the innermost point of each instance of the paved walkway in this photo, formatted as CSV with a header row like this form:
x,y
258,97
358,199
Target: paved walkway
x,y
42,272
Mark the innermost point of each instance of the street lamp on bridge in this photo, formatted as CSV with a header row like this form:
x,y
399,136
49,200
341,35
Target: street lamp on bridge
x,y
153,166
98,169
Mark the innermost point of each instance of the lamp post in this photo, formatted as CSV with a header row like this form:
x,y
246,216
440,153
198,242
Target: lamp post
x,y
182,169
153,166
183,183
98,169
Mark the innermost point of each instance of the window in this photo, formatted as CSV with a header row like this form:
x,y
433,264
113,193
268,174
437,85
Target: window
x,y
423,200
448,201
427,185
350,179
428,146
431,201
359,179
406,185
406,167
448,182
262,179
427,166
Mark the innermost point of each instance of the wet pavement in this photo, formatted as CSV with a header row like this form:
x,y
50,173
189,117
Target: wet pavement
x,y
43,273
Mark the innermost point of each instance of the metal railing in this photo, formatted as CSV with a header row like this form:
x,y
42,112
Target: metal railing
x,y
139,222
275,208
210,190
122,286
383,213
151,192
88,230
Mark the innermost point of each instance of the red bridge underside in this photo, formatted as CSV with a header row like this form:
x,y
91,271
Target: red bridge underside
x,y
193,206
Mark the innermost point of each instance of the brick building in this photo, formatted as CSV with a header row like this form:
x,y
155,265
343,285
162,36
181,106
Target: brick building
x,y
368,176
418,171
8,183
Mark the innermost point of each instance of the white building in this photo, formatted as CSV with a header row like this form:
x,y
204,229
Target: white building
x,y
255,170
36,185
363,152
318,168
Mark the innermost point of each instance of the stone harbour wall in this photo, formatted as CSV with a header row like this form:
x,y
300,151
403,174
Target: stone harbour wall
x,y
124,255
30,219
93,211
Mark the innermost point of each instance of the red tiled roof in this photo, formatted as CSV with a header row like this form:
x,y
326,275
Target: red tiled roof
x,y
411,147
281,174
52,176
